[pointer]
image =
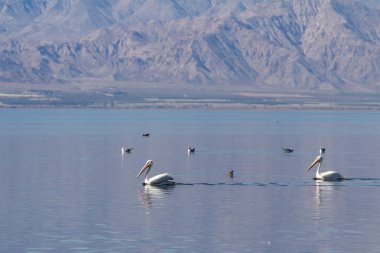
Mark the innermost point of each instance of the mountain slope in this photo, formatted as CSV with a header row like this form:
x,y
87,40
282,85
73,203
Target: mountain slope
x,y
280,45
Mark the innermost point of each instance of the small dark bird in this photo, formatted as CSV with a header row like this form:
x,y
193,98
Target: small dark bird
x,y
288,150
126,150
190,150
323,150
146,134
230,174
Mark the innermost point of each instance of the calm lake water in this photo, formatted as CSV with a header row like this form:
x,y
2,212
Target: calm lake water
x,y
66,187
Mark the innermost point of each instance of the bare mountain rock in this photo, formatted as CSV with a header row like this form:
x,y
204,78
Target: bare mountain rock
x,y
279,45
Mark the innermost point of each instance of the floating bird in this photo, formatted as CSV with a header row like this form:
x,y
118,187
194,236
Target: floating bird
x,y
288,150
146,134
126,150
190,150
328,175
230,174
158,180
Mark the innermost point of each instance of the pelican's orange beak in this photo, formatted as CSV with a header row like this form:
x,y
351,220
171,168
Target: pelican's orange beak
x,y
317,160
147,166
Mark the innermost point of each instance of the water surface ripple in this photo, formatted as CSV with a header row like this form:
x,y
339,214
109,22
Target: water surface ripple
x,y
66,187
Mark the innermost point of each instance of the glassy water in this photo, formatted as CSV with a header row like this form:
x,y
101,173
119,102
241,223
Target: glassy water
x,y
66,187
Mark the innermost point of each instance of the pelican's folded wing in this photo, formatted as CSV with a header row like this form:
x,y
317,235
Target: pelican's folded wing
x,y
161,179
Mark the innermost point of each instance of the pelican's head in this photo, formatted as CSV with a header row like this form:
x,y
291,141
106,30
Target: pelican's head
x,y
316,161
322,150
148,165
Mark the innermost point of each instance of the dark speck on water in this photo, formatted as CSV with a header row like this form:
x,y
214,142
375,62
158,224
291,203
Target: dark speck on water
x,y
65,187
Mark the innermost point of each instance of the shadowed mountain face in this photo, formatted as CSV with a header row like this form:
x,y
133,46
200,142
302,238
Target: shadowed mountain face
x,y
279,45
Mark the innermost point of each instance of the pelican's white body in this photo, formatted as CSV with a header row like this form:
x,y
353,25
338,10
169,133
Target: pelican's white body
x,y
160,179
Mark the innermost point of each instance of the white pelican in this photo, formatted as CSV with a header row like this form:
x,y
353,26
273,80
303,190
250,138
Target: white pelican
x,y
328,175
190,150
161,179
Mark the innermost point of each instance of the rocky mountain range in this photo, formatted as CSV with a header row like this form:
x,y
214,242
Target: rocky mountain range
x,y
322,45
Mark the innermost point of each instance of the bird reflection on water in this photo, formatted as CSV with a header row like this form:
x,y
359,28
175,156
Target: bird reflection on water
x,y
323,189
326,204
152,193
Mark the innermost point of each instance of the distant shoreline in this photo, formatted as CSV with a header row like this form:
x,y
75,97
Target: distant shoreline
x,y
193,106
121,97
